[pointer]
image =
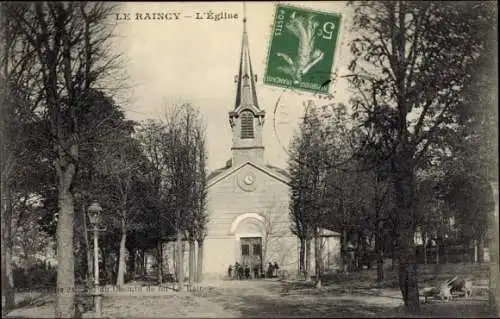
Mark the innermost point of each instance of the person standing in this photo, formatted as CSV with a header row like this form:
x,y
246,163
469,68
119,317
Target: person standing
x,y
236,270
270,270
247,271
230,272
256,271
240,272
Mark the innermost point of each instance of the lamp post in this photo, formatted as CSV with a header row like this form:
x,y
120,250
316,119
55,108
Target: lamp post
x,y
94,212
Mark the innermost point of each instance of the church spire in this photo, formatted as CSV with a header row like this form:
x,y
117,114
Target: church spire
x,y
246,94
246,119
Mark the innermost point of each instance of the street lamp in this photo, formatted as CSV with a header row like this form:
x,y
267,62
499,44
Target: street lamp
x,y
94,212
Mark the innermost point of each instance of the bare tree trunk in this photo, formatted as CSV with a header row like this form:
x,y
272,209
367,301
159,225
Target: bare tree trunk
x,y
90,263
137,263
7,275
129,264
8,297
302,266
494,253
120,280
65,302
143,263
437,252
424,235
199,267
476,251
192,261
380,253
394,258
318,260
343,249
307,272
480,244
160,261
180,261
407,267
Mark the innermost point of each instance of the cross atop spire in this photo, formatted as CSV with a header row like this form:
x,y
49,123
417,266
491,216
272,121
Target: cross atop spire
x,y
246,93
244,13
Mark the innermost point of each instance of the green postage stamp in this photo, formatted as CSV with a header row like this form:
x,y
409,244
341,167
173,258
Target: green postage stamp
x,y
302,49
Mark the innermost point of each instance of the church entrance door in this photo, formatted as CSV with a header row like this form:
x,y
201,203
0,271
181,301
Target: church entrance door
x,y
251,253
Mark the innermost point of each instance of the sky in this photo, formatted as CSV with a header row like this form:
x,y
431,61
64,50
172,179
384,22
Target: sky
x,y
195,60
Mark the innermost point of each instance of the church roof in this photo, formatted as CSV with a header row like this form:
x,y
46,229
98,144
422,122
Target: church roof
x,y
221,170
217,172
246,93
279,170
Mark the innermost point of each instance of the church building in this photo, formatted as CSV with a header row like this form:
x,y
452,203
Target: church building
x,y
248,200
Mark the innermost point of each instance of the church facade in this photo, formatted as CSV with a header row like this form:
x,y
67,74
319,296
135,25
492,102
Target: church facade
x,y
248,200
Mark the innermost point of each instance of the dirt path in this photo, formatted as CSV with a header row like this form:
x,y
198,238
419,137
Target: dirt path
x,y
276,299
262,298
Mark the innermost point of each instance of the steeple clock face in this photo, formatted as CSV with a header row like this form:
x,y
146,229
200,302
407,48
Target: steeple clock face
x,y
247,181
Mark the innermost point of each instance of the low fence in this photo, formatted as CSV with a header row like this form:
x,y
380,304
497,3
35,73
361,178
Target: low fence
x,y
452,254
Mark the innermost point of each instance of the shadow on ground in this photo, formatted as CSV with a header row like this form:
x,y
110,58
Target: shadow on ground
x,y
301,299
293,299
261,306
456,309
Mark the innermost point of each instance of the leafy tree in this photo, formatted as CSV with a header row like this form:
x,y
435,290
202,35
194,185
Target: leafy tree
x,y
120,164
175,147
411,59
304,169
199,217
186,177
152,136
311,169
18,109
69,43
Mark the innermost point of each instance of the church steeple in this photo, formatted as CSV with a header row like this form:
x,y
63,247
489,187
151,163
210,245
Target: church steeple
x,y
246,94
246,119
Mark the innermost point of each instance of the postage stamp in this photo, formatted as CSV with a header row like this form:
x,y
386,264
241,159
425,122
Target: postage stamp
x,y
303,43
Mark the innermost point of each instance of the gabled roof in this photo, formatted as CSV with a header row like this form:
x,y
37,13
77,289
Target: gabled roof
x,y
217,172
221,173
282,171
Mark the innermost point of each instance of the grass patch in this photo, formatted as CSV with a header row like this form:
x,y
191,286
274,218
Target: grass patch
x,y
428,275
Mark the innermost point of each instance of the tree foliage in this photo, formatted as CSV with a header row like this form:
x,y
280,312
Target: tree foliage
x,y
411,63
68,42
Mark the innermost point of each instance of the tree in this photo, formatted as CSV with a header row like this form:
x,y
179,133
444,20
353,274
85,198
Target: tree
x,y
412,58
273,230
121,164
308,166
185,163
69,42
300,226
304,171
200,217
152,135
17,105
176,149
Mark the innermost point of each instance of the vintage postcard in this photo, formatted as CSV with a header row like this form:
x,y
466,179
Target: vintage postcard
x,y
249,159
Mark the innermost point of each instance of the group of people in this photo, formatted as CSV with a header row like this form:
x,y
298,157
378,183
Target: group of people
x,y
240,272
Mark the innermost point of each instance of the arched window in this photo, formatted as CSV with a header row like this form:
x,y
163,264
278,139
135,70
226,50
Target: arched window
x,y
247,124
